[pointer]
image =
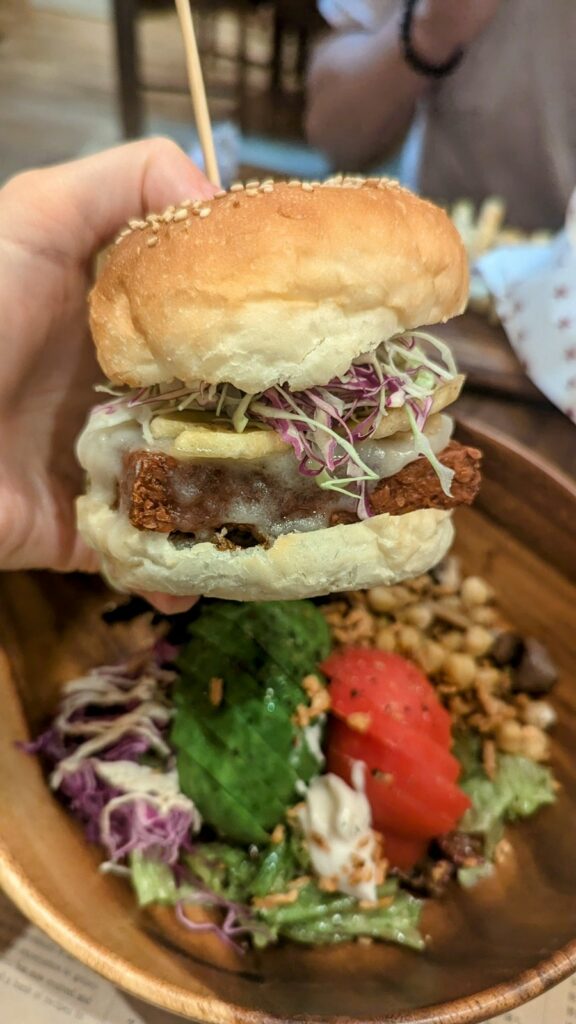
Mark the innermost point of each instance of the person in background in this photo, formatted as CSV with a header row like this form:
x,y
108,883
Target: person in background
x,y
52,223
485,89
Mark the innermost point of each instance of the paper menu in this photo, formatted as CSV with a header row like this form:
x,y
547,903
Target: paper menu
x,y
40,984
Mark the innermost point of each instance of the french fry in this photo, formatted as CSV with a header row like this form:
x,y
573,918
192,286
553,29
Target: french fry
x,y
490,220
483,231
462,215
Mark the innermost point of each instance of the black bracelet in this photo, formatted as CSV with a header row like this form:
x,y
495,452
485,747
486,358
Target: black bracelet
x,y
417,63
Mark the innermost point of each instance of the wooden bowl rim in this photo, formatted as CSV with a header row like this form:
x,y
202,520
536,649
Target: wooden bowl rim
x,y
534,459
465,1010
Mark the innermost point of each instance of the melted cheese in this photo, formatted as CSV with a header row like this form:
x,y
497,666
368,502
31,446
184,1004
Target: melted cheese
x,y
110,434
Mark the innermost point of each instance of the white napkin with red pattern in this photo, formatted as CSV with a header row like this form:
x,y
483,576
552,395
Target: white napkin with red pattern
x,y
534,289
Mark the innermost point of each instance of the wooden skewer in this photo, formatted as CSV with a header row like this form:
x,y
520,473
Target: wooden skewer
x,y
198,91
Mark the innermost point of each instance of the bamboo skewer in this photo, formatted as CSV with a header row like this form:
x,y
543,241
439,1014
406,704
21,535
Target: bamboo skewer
x,y
198,91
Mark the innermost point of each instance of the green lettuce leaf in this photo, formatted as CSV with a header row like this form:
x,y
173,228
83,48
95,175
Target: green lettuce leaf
x,y
519,789
153,881
315,917
320,918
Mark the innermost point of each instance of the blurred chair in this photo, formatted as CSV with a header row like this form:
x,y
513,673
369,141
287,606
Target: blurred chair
x,y
10,12
298,19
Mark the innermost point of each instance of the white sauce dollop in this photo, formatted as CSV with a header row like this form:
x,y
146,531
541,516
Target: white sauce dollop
x,y
336,821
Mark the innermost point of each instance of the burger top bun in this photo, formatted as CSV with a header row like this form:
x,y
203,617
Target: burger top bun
x,y
274,283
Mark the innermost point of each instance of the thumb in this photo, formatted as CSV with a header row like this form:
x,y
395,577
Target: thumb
x,y
74,209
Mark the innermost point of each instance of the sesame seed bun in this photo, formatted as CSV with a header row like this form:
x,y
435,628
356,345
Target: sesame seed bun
x,y
382,550
274,283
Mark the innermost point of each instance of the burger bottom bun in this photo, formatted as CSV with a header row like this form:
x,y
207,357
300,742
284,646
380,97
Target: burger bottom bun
x,y
380,551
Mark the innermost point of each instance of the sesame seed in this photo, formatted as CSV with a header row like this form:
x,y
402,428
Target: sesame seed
x,y
307,186
220,194
181,215
267,188
124,232
205,211
136,223
155,226
152,218
186,202
168,216
153,240
267,181
316,184
237,187
294,183
251,191
252,184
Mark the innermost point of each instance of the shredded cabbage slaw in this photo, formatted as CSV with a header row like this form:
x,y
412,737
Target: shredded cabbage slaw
x,y
324,424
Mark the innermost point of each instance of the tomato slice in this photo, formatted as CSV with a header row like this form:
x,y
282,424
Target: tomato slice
x,y
405,796
371,681
404,853
392,810
406,770
422,748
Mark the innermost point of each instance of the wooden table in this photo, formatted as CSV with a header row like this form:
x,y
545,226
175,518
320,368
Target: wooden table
x,y
499,394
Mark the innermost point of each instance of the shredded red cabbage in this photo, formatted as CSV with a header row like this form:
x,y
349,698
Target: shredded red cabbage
x,y
237,922
119,713
325,424
129,824
86,796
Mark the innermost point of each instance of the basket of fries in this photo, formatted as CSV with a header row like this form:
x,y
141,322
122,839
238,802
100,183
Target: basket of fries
x,y
483,229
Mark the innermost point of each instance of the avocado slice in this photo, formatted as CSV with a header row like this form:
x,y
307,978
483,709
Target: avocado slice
x,y
248,743
216,805
228,767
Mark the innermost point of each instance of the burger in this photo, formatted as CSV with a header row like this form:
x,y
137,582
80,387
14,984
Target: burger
x,y
276,425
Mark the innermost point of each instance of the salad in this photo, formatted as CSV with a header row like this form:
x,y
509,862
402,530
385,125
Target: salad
x,y
311,771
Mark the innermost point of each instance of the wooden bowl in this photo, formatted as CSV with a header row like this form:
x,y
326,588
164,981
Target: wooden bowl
x,y
492,948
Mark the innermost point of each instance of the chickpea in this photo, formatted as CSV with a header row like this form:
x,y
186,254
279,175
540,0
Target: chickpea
x,y
419,615
478,641
431,656
539,713
475,591
483,615
453,640
460,669
488,677
388,599
526,740
386,639
409,639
